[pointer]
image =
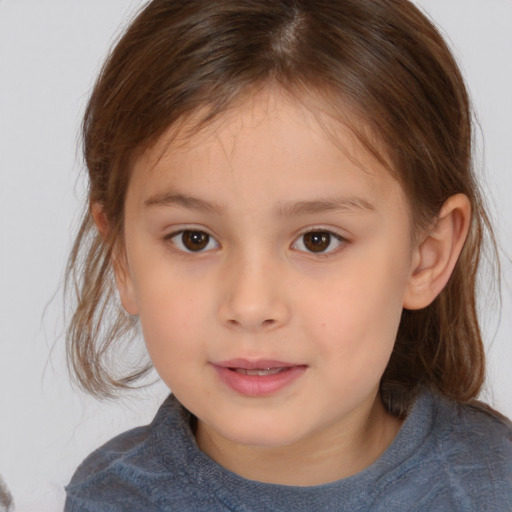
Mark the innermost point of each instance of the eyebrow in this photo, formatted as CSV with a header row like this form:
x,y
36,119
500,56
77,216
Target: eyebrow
x,y
345,204
189,202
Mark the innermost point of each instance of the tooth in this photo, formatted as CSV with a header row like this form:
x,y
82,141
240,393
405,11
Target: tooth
x,y
259,371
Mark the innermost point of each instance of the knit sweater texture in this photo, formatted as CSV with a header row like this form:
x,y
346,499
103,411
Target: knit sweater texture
x,y
446,457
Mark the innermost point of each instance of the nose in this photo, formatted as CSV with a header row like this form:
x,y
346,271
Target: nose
x,y
254,296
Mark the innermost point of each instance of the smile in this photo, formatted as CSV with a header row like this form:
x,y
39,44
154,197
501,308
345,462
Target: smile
x,y
259,371
258,378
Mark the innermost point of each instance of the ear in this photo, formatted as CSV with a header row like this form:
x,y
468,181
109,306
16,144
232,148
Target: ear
x,y
124,282
437,252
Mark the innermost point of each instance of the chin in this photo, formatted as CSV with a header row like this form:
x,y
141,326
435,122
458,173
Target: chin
x,y
262,437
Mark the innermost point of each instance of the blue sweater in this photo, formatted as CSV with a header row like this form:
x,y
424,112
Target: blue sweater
x,y
446,457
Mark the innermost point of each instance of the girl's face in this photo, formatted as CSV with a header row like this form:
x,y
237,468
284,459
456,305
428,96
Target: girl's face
x,y
269,269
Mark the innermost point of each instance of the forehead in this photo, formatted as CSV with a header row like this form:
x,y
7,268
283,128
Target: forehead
x,y
271,138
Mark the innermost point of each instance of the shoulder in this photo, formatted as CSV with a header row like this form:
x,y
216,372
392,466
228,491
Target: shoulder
x,y
473,432
122,472
473,450
118,450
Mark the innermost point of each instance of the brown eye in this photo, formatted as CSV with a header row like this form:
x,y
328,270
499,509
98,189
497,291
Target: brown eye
x,y
195,240
317,241
191,240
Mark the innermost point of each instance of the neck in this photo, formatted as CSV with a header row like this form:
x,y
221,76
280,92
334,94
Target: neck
x,y
336,452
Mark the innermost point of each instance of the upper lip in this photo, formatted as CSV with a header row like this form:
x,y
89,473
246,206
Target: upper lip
x,y
255,364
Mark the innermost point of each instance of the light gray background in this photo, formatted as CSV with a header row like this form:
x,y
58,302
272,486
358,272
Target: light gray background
x,y
50,52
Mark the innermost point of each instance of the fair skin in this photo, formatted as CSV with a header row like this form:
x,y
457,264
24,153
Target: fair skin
x,y
269,270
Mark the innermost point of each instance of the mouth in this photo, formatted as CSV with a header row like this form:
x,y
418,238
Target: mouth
x,y
261,372
260,377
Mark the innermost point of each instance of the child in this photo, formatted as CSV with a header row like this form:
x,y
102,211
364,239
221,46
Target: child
x,y
283,191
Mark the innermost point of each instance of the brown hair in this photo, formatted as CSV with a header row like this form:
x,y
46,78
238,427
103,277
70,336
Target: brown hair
x,y
382,60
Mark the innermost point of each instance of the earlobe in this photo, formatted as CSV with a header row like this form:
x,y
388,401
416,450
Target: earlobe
x,y
437,252
100,219
124,282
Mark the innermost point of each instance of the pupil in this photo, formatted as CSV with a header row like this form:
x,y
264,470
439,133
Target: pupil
x,y
195,240
317,241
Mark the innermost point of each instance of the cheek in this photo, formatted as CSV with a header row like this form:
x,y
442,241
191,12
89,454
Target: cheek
x,y
172,341
171,311
357,346
368,295
359,320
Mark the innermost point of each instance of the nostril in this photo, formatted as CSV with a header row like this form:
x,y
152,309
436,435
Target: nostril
x,y
265,323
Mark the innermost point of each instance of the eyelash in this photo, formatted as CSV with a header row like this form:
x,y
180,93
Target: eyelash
x,y
177,240
324,236
331,237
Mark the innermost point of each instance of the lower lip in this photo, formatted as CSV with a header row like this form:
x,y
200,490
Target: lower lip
x,y
259,385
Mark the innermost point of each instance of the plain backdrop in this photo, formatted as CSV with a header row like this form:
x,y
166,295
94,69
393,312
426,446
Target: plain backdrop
x,y
50,53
